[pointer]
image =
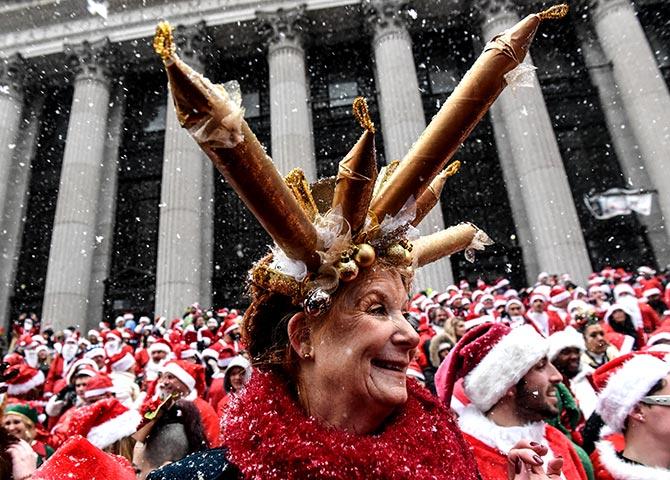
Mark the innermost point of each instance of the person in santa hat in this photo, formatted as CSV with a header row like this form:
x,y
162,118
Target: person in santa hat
x,y
544,321
659,340
654,300
514,314
565,352
512,388
634,399
559,300
61,363
641,312
26,383
97,354
187,380
159,354
121,368
623,328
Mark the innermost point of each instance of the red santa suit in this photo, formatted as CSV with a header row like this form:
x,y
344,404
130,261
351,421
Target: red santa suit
x,y
490,444
546,323
608,465
59,366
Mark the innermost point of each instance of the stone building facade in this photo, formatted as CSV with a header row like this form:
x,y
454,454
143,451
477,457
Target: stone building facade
x,y
107,205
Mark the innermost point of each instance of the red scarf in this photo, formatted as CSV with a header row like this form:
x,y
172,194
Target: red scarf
x,y
269,436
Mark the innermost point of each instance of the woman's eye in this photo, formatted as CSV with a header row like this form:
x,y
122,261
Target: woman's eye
x,y
377,310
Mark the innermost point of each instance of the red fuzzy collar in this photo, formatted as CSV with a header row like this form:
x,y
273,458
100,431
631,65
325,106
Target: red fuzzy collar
x,y
269,436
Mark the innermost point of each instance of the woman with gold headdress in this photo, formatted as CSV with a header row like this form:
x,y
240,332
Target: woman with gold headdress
x,y
326,327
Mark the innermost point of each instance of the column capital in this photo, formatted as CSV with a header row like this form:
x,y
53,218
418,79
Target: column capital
x,y
386,16
601,7
90,60
193,41
283,27
12,75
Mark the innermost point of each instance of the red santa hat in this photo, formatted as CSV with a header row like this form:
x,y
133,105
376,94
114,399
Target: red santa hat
x,y
662,333
222,312
567,338
513,301
491,358
464,285
78,455
230,324
559,294
105,422
98,385
414,371
621,289
537,296
190,374
79,366
182,351
511,293
122,361
624,381
650,292
226,354
501,283
26,379
160,345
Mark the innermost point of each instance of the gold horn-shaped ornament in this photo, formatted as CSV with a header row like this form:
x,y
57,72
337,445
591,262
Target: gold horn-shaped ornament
x,y
217,125
431,195
435,246
357,172
459,115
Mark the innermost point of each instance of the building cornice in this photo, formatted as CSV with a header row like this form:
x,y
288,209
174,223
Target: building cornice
x,y
139,23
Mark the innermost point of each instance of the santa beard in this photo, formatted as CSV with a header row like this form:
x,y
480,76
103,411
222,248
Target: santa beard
x,y
69,351
152,369
31,358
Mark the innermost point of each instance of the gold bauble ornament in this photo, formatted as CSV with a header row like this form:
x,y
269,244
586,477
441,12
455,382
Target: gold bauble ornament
x,y
348,270
365,256
398,254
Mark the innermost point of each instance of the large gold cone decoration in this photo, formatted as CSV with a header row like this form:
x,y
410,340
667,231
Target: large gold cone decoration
x,y
462,111
431,195
454,239
357,172
206,110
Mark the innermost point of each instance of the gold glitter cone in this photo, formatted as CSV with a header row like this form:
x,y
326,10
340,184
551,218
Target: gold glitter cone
x,y
431,195
357,172
435,246
213,120
459,115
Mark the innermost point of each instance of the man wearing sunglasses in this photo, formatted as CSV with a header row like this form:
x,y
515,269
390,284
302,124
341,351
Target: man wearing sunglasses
x,y
634,400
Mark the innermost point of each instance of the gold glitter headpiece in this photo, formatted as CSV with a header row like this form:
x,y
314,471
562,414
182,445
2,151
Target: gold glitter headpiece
x,y
325,233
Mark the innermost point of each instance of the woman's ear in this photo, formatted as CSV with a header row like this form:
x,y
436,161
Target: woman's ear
x,y
299,335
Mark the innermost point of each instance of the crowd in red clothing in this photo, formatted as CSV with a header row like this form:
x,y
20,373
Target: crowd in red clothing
x,y
477,342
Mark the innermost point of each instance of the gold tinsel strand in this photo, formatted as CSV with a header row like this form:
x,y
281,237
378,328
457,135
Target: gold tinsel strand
x,y
163,41
555,12
361,113
453,168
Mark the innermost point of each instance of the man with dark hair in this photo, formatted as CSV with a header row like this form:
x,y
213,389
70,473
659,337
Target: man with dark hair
x,y
178,432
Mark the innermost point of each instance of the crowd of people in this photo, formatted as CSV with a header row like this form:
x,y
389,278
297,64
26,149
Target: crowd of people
x,y
586,365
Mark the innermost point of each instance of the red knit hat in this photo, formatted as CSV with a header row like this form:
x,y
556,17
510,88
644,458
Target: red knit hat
x,y
182,351
190,374
122,361
624,381
104,422
77,458
98,385
491,358
23,382
160,345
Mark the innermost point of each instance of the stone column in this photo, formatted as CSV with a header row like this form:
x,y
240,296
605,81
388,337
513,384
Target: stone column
x,y
290,111
644,93
207,219
16,202
12,72
516,203
538,166
401,110
104,237
66,294
178,272
623,139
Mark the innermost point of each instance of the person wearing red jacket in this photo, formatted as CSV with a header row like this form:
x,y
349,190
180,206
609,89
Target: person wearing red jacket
x,y
61,363
512,388
545,322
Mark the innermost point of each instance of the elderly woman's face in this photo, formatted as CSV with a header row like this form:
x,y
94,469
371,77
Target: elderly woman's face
x,y
366,344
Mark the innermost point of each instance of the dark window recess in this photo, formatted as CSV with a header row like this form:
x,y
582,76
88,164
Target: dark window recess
x,y
132,280
654,15
239,240
45,171
586,147
338,73
442,56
